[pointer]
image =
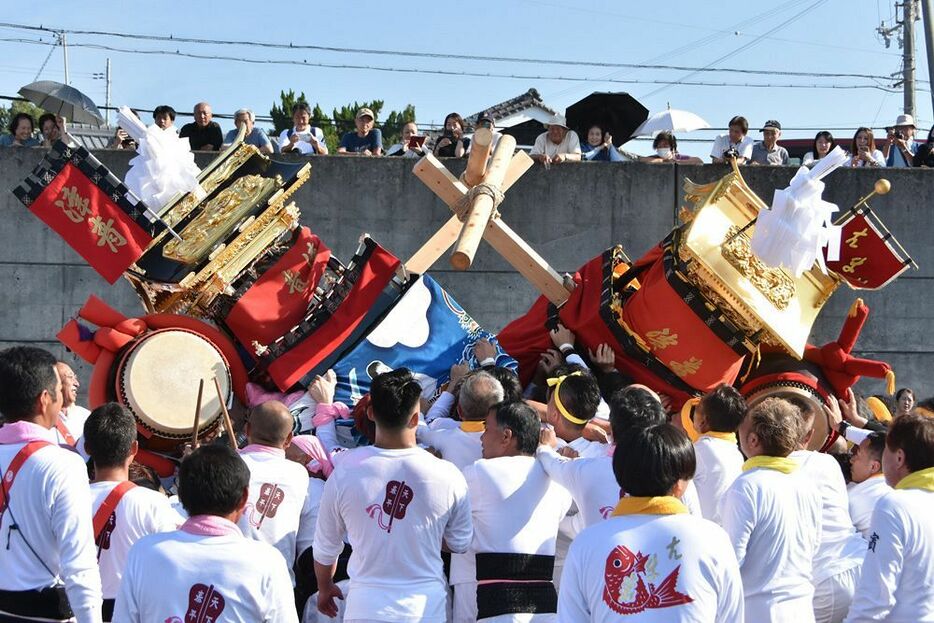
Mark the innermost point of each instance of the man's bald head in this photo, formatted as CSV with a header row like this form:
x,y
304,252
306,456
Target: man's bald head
x,y
270,424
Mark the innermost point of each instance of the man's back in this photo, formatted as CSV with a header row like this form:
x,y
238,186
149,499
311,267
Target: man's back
x,y
516,509
49,502
456,445
396,507
651,568
278,488
201,578
841,546
590,481
139,513
895,584
774,522
719,462
863,498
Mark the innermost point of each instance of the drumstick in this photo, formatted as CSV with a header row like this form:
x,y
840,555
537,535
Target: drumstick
x,y
194,433
228,425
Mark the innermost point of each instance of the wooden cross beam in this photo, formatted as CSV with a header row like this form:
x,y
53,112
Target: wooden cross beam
x,y
480,220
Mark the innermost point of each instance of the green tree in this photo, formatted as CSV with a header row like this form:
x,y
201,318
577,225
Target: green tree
x,y
17,106
341,119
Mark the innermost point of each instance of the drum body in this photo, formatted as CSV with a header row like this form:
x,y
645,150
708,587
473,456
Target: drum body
x,y
157,376
779,374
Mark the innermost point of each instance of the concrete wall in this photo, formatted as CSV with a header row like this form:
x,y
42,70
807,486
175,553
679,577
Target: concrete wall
x,y
568,214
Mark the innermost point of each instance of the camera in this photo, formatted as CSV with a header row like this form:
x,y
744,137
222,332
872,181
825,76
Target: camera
x,y
899,135
731,153
448,134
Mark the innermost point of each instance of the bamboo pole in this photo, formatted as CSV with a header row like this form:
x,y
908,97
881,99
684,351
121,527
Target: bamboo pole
x,y
482,205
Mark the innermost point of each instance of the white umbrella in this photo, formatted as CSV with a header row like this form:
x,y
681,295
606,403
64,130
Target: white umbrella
x,y
671,120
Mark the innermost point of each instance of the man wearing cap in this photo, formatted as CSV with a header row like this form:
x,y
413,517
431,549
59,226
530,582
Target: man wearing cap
x,y
768,151
900,148
367,140
557,144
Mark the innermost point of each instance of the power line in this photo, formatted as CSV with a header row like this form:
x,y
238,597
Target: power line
x,y
436,55
739,50
443,72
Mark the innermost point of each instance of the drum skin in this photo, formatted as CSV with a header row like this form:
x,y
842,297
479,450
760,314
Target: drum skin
x,y
101,388
156,378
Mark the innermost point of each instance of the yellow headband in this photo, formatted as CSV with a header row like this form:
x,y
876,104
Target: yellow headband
x,y
556,383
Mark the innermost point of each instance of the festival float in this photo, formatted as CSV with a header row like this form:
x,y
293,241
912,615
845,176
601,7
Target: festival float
x,y
240,301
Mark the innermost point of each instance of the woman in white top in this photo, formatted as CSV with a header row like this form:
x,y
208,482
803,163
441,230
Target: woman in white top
x,y
823,144
863,150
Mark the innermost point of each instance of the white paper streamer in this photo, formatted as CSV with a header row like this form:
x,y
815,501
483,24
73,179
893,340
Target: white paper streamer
x,y
164,166
792,233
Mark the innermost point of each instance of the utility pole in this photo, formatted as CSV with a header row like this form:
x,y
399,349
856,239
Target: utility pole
x,y
65,53
906,41
107,102
928,15
908,55
105,76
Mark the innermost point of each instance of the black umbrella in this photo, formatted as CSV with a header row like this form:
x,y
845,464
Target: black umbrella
x,y
63,100
618,113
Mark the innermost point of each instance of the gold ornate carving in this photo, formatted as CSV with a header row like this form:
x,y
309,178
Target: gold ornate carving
x,y
662,339
685,368
219,216
216,174
773,283
236,256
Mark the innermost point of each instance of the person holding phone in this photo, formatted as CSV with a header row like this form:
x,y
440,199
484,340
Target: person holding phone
x,y
900,148
412,144
863,150
452,143
302,138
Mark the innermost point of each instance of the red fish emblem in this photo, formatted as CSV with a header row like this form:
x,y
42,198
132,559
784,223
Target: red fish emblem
x,y
205,604
103,539
398,497
626,590
270,497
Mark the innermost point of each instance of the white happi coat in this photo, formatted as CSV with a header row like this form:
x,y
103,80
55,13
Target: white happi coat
x,y
719,462
50,502
278,488
774,522
516,509
180,577
141,511
895,584
863,497
395,507
664,568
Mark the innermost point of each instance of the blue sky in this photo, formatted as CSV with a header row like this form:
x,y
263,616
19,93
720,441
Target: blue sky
x,y
836,36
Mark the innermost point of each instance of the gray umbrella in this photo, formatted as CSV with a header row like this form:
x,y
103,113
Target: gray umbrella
x,y
61,99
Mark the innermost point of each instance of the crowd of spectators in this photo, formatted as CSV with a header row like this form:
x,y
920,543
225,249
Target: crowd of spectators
x,y
558,143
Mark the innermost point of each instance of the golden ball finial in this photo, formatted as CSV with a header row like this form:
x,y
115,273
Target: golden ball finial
x,y
882,186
